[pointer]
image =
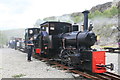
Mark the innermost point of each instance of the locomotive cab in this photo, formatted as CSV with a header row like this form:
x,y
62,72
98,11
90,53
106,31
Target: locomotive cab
x,y
49,36
31,32
55,28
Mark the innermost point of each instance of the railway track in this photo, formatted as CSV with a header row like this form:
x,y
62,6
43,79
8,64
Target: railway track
x,y
92,76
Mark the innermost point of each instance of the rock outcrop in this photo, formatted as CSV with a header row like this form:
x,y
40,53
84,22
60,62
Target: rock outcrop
x,y
101,7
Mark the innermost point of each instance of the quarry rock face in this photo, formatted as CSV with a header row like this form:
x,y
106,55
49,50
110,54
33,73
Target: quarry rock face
x,y
101,7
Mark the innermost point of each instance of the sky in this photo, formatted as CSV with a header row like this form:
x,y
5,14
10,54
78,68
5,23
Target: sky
x,y
24,13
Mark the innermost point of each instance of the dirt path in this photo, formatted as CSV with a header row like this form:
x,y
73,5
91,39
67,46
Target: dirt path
x,y
14,64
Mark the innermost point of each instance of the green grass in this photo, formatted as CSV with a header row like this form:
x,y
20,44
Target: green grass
x,y
108,13
18,75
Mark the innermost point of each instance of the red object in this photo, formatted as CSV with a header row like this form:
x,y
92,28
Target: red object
x,y
38,50
98,58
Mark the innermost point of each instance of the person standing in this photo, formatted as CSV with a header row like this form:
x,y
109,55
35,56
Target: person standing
x,y
16,40
30,49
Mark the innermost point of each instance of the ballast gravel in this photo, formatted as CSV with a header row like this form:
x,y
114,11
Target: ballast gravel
x,y
14,64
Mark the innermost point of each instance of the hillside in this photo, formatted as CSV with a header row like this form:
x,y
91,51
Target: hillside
x,y
7,34
103,16
106,10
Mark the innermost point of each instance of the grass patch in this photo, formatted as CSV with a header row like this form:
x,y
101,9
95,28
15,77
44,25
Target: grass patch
x,y
108,13
18,75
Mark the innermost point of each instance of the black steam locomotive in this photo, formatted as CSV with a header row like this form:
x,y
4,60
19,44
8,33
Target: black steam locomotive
x,y
64,41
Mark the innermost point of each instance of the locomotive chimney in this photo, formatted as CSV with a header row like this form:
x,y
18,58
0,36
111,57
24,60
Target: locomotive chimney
x,y
85,20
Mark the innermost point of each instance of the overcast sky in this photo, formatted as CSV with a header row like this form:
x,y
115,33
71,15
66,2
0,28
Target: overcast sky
x,y
24,13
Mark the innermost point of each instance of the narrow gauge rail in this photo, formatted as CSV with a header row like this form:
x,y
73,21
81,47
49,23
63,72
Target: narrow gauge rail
x,y
112,50
103,76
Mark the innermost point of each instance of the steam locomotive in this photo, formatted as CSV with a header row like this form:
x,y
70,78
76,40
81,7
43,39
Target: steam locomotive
x,y
63,41
16,43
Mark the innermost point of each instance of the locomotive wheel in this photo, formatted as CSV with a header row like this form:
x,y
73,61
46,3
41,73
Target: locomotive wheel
x,y
65,56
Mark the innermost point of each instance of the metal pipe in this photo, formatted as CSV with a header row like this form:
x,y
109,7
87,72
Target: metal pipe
x,y
85,28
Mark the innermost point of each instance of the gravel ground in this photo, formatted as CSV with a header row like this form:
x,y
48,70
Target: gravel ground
x,y
0,63
15,64
113,58
119,63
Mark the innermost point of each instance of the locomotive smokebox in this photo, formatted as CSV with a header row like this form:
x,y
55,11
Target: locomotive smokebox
x,y
80,39
85,20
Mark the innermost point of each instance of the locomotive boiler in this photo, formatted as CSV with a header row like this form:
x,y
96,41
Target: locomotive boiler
x,y
77,51
63,41
81,39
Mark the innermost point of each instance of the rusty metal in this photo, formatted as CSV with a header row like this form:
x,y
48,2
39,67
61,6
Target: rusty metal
x,y
112,76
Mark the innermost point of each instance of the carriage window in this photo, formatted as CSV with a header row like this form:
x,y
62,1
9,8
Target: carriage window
x,y
52,28
75,28
43,28
30,31
36,31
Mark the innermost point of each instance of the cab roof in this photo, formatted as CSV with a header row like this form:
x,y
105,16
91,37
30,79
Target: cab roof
x,y
54,22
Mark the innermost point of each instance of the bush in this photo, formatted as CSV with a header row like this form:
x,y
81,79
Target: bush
x,y
95,14
77,19
107,13
18,75
111,12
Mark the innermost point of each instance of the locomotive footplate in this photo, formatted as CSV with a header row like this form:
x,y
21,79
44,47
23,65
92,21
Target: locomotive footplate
x,y
92,60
